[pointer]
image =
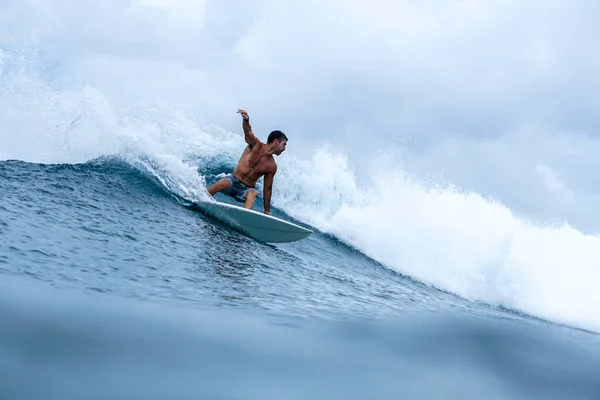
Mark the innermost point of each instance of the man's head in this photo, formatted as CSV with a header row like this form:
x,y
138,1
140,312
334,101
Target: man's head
x,y
278,140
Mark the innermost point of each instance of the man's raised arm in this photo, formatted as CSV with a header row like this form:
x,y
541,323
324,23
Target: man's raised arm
x,y
248,134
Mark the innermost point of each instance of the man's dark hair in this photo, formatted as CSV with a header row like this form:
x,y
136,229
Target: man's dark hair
x,y
276,135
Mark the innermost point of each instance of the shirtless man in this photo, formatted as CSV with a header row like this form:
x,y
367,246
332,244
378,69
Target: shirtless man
x,y
256,160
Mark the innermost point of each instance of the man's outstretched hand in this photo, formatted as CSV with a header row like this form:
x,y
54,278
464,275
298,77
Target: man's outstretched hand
x,y
244,114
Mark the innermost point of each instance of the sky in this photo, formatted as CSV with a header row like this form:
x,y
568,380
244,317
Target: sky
x,y
499,97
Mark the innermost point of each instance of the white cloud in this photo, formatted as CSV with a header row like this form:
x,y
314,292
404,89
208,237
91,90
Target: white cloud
x,y
552,182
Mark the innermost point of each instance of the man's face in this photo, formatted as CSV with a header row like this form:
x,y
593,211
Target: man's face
x,y
280,146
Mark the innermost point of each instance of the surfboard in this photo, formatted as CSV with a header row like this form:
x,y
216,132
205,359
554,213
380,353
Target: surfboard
x,y
257,225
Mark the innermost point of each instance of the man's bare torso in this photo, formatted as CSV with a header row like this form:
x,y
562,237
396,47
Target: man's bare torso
x,y
253,164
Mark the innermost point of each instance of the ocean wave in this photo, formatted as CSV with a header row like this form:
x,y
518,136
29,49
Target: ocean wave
x,y
456,241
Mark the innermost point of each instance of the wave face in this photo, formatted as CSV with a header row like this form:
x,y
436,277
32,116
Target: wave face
x,y
458,242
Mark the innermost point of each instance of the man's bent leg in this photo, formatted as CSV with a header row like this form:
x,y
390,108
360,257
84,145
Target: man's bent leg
x,y
250,198
219,186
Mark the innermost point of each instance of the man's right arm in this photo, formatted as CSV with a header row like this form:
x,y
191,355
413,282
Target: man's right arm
x,y
249,136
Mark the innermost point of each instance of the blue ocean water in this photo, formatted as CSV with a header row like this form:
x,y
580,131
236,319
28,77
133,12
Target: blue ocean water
x,y
111,288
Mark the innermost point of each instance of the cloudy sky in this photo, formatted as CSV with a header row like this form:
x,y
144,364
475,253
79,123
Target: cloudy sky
x,y
497,96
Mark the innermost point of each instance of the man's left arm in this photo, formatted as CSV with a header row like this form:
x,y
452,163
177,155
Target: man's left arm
x,y
267,190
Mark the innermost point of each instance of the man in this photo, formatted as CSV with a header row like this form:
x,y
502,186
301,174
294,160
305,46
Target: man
x,y
257,160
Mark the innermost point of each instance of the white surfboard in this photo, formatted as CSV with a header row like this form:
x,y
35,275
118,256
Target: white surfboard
x,y
257,225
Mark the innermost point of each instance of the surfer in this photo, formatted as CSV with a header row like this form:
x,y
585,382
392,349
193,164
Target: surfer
x,y
256,161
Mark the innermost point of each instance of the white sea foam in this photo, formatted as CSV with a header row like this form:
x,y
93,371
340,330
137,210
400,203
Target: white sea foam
x,y
43,124
456,241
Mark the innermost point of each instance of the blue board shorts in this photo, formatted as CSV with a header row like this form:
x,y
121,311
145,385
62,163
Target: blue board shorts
x,y
237,189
